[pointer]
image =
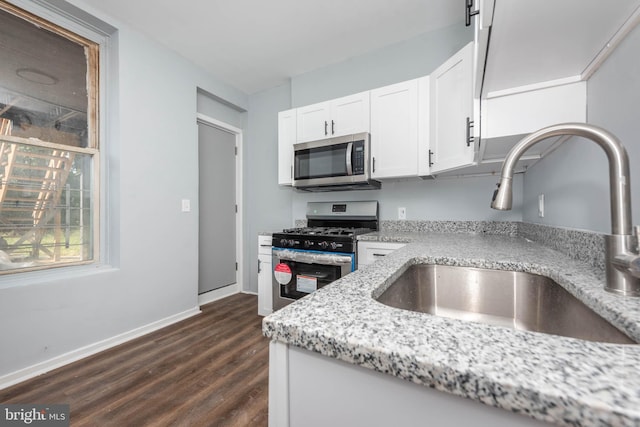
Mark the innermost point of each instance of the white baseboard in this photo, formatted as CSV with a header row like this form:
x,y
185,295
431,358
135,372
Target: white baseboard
x,y
72,356
217,294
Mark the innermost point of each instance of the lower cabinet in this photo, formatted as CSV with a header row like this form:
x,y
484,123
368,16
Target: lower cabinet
x,y
369,252
265,299
345,394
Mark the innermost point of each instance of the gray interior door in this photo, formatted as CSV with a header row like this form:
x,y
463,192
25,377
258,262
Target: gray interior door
x,y
217,208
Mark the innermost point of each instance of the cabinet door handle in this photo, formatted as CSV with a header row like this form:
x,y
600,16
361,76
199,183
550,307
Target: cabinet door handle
x,y
430,157
373,168
259,266
333,126
325,128
469,127
468,13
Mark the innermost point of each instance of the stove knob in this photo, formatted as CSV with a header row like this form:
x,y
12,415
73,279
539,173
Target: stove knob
x,y
307,243
323,245
291,242
283,242
333,245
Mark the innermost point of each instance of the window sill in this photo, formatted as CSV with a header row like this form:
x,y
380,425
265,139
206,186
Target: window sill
x,y
54,275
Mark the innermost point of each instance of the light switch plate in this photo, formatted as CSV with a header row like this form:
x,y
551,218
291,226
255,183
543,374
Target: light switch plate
x,y
402,213
186,205
541,205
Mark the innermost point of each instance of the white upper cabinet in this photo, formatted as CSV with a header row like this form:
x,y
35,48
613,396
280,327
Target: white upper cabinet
x,y
342,116
452,142
531,63
394,130
535,44
286,139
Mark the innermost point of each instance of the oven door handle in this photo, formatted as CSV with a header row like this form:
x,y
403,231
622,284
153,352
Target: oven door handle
x,y
316,276
312,258
348,159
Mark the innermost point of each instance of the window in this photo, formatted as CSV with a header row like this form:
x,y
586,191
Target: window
x,y
48,144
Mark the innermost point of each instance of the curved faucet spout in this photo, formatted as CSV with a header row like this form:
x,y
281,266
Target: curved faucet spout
x,y
618,169
622,259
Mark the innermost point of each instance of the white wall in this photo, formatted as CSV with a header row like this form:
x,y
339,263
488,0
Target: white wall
x,y
574,179
151,164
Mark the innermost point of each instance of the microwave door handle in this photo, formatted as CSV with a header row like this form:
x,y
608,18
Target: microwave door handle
x,y
348,159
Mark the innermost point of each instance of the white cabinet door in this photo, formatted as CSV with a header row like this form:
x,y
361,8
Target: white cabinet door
x,y
265,303
451,108
342,116
394,130
313,122
424,126
350,114
286,139
369,252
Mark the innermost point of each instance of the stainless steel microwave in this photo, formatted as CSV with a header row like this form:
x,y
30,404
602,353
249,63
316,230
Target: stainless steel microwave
x,y
340,163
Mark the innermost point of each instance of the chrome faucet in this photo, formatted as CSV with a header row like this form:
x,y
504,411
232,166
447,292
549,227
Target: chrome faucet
x,y
621,246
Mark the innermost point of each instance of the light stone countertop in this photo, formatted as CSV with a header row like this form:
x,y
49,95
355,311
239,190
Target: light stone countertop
x,y
556,379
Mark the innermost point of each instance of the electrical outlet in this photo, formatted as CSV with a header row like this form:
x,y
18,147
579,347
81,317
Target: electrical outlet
x,y
186,205
541,205
402,213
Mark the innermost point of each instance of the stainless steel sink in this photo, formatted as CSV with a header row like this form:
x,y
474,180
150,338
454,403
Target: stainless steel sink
x,y
505,298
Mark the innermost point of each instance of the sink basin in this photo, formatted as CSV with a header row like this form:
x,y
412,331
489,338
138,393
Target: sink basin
x,y
516,300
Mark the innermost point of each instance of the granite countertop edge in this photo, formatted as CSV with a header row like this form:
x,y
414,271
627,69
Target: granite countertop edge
x,y
555,379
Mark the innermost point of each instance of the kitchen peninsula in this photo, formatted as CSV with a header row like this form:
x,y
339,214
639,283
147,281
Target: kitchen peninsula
x,y
339,355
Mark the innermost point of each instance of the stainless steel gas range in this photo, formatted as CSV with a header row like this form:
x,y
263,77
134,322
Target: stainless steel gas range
x,y
308,258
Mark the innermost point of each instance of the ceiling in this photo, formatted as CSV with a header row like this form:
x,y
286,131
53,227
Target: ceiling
x,y
254,45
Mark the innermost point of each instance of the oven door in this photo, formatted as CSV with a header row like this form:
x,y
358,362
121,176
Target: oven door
x,y
297,273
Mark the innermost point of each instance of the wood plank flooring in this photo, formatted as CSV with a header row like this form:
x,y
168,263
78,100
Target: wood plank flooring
x,y
209,370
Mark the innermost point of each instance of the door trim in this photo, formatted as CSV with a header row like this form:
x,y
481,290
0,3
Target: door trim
x,y
239,286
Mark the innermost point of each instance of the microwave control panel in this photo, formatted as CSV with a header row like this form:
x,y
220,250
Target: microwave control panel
x,y
358,158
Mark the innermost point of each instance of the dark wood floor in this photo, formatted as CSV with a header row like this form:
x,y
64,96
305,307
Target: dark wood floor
x,y
209,370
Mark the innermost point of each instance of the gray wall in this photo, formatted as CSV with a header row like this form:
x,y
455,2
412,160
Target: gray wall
x,y
461,199
267,205
442,199
150,159
574,179
406,60
211,106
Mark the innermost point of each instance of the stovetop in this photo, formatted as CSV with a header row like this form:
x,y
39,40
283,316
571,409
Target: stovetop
x,y
324,239
326,231
332,227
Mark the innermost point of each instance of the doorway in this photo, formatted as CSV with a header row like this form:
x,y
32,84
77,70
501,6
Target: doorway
x,y
219,241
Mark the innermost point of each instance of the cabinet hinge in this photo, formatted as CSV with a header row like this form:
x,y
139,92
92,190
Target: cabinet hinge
x,y
430,157
468,13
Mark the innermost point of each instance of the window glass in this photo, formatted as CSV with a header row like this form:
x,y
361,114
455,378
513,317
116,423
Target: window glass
x,y
48,143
